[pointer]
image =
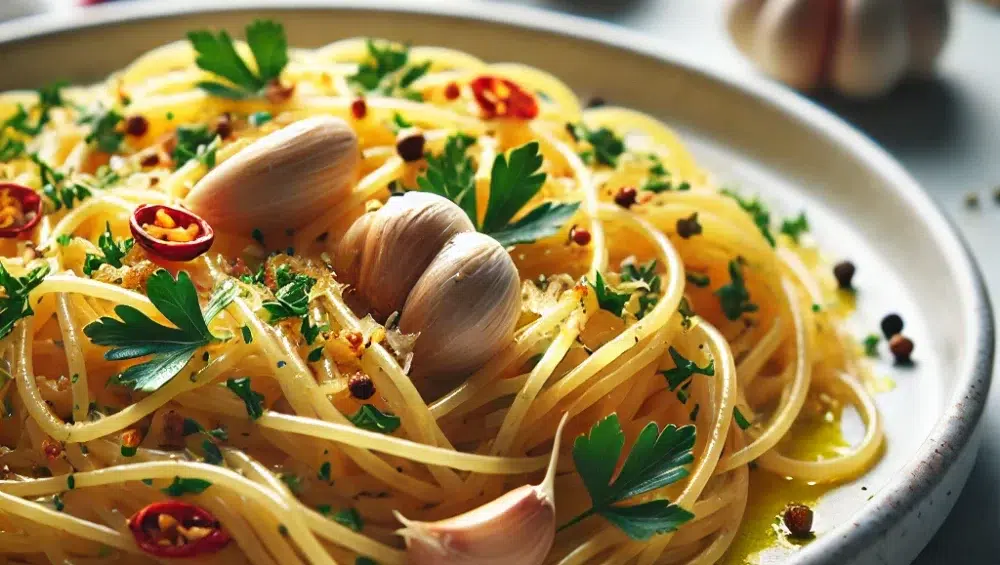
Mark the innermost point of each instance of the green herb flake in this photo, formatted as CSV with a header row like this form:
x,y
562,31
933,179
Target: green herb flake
x,y
213,455
350,518
370,418
253,400
58,503
112,252
64,239
136,335
70,482
606,146
180,487
258,119
292,296
795,227
608,298
292,481
197,143
315,355
684,309
216,53
247,335
757,211
734,297
388,70
870,344
14,304
684,369
129,451
741,420
104,132
656,459
324,471
698,279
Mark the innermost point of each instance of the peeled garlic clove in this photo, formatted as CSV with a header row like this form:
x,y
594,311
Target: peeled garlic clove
x,y
519,527
872,51
286,178
404,237
465,307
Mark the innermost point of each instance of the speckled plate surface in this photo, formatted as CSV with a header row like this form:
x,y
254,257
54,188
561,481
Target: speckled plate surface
x,y
753,135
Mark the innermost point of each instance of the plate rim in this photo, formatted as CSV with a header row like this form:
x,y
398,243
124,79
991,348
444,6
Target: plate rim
x,y
952,433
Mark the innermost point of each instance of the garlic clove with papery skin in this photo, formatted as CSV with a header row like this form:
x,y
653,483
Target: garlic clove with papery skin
x,y
518,527
403,238
286,178
465,307
872,51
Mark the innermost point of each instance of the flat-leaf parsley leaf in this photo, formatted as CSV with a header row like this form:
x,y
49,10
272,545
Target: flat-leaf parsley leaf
x,y
374,420
217,54
14,302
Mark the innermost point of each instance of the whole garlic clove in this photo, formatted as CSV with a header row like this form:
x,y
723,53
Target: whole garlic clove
x,y
872,51
790,41
742,21
465,307
286,178
347,260
404,237
519,527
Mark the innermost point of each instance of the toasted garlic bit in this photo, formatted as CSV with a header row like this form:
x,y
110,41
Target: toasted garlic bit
x,y
519,527
285,178
465,306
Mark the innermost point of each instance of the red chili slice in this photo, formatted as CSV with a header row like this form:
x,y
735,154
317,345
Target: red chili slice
x,y
159,529
172,233
502,98
20,209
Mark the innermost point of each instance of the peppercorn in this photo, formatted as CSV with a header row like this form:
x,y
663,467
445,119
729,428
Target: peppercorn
x,y
150,159
410,144
596,102
224,125
361,386
451,91
626,196
891,325
844,273
359,109
901,348
136,126
580,236
688,227
798,519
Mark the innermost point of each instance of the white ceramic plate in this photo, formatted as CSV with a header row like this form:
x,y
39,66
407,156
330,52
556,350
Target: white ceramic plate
x,y
758,137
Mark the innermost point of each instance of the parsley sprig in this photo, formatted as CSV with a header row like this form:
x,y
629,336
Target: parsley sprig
x,y
112,250
657,459
56,188
388,71
136,335
291,297
104,132
514,181
734,297
217,54
684,369
14,303
49,97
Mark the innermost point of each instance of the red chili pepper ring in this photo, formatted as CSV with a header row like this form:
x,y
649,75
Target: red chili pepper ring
x,y
172,233
176,529
20,209
503,98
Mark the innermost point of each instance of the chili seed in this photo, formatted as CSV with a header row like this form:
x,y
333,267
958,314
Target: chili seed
x,y
359,109
844,273
901,348
626,196
687,227
361,386
410,144
580,236
798,519
136,126
891,325
224,126
452,91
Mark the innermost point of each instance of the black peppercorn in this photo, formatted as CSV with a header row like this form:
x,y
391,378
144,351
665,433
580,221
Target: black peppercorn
x,y
625,197
410,144
136,126
901,348
361,386
798,519
891,325
844,273
687,227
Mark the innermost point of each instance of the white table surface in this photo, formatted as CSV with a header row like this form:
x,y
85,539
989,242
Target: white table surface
x,y
946,132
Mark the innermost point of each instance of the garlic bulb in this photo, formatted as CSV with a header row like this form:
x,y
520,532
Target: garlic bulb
x,y
859,47
286,178
465,307
401,240
519,527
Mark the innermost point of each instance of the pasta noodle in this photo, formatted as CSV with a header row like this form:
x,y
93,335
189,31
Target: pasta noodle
x,y
305,480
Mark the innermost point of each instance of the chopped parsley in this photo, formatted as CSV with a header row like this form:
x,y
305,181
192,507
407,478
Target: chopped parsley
x,y
758,212
647,274
64,239
734,297
247,335
57,503
104,132
656,459
55,188
684,369
311,331
608,298
684,309
292,481
113,252
451,173
324,472
14,304
253,400
741,420
388,71
870,344
49,97
195,142
659,178
213,455
698,279
348,517
606,147
217,55
370,418
258,119
315,355
795,227
10,149
180,487
291,298
136,335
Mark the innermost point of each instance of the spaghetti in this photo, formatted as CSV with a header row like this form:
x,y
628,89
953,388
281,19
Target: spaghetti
x,y
657,298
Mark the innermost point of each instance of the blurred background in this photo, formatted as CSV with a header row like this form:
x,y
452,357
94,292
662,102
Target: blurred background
x,y
933,104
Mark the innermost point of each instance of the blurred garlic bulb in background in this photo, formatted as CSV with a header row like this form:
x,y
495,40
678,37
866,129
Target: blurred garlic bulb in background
x,y
861,48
